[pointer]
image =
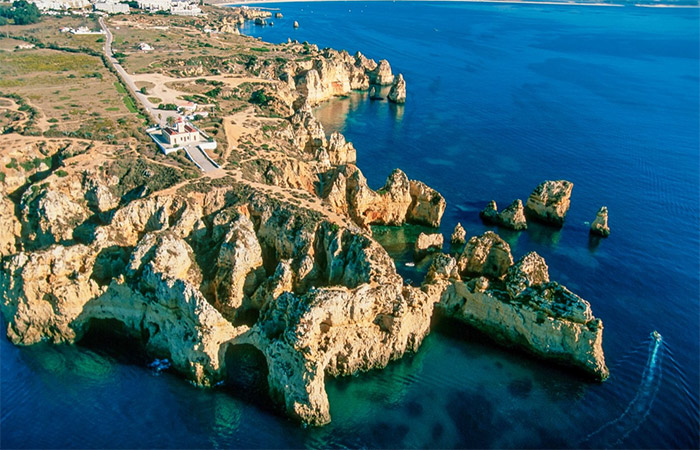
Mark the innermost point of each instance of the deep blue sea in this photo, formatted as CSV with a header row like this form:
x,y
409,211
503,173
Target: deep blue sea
x,y
500,98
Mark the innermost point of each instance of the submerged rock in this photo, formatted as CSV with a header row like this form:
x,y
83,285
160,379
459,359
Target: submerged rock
x,y
550,201
600,226
397,94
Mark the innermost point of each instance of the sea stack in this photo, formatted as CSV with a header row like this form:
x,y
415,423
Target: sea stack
x,y
512,217
550,201
397,94
381,74
427,243
296,24
459,235
600,225
278,15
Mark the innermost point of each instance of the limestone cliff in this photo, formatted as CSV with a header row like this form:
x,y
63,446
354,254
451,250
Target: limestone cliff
x,y
400,200
177,271
517,304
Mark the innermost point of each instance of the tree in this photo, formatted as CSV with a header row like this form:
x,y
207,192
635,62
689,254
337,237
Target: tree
x,y
24,13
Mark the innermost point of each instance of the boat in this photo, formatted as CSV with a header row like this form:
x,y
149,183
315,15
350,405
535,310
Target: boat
x,y
656,335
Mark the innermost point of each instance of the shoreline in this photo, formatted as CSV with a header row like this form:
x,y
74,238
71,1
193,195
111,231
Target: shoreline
x,y
508,2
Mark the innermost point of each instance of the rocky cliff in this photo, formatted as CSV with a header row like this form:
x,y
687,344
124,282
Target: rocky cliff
x,y
179,271
517,304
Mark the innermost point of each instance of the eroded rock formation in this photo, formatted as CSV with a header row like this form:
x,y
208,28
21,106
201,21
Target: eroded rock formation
x,y
512,217
400,200
600,226
397,93
519,306
427,243
459,235
550,201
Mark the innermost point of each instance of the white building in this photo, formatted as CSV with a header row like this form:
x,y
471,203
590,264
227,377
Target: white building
x,y
185,8
111,7
154,5
182,133
145,47
61,5
86,30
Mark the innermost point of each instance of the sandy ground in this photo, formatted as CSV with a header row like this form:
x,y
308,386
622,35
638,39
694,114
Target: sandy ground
x,y
169,95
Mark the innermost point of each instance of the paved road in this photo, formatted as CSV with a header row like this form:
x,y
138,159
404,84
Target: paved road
x,y
122,73
197,155
195,152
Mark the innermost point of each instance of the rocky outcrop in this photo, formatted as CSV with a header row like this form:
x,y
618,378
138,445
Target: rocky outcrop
x,y
366,64
427,205
178,271
599,226
512,217
296,24
399,201
486,255
330,74
341,152
10,227
550,201
459,235
308,131
397,93
381,74
239,266
524,310
427,243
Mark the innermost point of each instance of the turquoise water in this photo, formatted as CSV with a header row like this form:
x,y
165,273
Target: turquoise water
x,y
501,97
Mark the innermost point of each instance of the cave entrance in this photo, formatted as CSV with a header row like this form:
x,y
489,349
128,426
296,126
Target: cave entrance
x,y
246,375
112,338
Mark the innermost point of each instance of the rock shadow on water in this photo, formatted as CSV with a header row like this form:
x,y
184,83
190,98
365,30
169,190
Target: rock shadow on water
x,y
543,234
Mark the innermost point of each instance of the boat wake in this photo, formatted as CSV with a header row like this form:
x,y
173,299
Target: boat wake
x,y
614,432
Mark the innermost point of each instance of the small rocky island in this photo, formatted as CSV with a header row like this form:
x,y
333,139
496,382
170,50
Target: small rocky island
x,y
273,250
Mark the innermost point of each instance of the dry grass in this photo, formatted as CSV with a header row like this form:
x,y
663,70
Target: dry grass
x,y
73,92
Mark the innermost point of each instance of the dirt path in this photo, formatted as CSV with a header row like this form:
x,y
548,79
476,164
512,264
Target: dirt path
x,y
168,94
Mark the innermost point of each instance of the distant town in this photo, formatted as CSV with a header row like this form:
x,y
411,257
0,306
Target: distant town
x,y
176,7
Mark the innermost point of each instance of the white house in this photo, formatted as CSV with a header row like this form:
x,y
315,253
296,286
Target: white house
x,y
182,133
145,47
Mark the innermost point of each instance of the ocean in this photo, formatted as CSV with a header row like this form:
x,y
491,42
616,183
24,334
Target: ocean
x,y
500,98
